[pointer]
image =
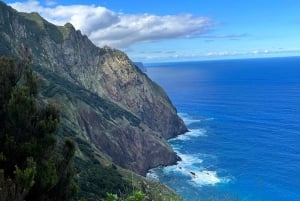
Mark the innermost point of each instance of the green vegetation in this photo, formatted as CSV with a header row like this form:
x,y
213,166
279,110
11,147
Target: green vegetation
x,y
152,190
95,181
33,166
137,196
35,159
41,27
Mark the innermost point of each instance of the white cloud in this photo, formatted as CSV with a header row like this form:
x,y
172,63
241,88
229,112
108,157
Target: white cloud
x,y
251,53
179,55
106,27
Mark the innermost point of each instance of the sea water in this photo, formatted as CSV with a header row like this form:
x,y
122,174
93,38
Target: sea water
x,y
243,118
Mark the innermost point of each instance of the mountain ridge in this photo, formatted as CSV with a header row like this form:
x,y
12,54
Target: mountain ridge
x,y
104,98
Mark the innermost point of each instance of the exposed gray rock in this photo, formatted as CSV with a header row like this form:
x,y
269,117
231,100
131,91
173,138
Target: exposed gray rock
x,y
73,67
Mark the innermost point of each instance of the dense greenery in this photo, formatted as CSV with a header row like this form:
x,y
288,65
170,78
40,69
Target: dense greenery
x,y
95,181
137,196
33,166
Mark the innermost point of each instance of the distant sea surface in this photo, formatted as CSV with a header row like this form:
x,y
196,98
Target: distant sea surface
x,y
244,122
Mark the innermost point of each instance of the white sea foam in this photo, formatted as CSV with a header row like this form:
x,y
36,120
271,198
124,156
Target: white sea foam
x,y
184,166
152,175
210,119
205,177
192,134
188,160
191,166
187,119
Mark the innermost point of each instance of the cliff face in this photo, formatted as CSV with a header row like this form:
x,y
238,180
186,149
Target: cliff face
x,y
104,98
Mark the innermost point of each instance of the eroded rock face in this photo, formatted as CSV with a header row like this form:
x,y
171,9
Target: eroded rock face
x,y
73,67
128,86
115,133
135,150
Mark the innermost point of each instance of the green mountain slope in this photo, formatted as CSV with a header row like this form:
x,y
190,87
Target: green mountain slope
x,y
114,112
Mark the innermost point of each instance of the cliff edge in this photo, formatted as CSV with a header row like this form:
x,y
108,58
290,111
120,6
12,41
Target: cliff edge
x,y
105,100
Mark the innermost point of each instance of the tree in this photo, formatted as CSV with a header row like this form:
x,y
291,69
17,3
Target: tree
x,y
33,166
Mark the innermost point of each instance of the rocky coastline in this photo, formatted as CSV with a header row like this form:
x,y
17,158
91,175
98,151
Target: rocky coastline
x,y
104,98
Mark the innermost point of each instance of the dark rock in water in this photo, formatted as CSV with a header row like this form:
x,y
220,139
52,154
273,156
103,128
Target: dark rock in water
x,y
193,174
104,98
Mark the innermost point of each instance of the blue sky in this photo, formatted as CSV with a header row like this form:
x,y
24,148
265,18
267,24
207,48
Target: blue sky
x,y
176,30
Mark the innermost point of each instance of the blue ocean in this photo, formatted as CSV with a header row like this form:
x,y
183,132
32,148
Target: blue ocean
x,y
243,118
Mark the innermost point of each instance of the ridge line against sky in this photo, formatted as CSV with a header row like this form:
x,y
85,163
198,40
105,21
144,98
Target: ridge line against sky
x,y
179,30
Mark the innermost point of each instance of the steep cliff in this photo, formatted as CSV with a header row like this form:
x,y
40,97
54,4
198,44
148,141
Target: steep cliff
x,y
104,98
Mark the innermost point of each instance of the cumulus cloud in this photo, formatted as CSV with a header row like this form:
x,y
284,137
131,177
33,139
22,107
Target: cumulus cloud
x,y
119,30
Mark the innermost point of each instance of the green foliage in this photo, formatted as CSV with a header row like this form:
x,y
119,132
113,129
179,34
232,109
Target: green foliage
x,y
137,196
41,27
8,189
25,178
152,190
95,180
111,197
32,166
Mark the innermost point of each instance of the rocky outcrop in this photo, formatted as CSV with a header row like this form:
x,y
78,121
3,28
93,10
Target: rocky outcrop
x,y
127,85
104,98
113,132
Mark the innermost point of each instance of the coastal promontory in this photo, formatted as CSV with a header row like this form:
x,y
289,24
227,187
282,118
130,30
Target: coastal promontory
x,y
107,104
